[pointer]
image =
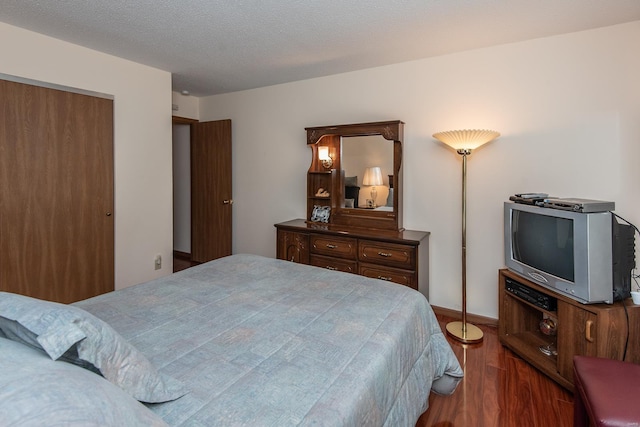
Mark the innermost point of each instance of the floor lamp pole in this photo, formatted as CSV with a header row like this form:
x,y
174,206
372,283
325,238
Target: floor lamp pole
x,y
463,141
463,331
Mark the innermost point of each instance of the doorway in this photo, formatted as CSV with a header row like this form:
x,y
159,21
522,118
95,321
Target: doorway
x,y
202,199
181,164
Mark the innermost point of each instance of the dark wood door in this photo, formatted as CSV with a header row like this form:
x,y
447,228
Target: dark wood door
x,y
211,192
56,193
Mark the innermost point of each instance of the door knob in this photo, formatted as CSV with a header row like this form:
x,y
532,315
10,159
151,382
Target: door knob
x,y
228,202
108,213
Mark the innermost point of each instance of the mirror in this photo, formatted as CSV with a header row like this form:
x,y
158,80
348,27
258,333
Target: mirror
x,y
355,150
359,155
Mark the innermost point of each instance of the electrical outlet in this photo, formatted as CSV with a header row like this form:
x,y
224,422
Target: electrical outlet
x,y
158,262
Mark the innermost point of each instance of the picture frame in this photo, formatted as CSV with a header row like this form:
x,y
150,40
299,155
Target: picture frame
x,y
321,213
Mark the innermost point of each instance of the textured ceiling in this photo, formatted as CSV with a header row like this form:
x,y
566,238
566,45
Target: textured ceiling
x,y
217,46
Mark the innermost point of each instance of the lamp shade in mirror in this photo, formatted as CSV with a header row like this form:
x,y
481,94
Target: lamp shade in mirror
x,y
372,176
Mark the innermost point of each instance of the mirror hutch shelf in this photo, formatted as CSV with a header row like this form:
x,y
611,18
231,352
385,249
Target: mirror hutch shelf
x,y
354,207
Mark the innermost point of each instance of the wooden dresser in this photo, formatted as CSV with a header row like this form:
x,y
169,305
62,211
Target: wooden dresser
x,y
397,256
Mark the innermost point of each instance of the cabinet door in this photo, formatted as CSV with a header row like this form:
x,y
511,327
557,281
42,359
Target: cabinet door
x,y
293,246
577,335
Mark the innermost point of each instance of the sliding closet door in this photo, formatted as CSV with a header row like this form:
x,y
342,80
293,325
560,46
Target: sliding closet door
x,y
56,193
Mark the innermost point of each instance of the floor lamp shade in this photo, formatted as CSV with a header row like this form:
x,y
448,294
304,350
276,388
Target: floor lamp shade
x,y
463,141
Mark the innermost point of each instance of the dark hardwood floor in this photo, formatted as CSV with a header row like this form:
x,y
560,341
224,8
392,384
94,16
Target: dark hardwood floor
x,y
499,389
182,261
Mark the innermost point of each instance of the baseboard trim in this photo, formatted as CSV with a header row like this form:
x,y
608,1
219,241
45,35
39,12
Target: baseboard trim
x,y
471,318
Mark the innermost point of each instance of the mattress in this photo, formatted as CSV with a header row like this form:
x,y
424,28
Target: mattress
x,y
266,342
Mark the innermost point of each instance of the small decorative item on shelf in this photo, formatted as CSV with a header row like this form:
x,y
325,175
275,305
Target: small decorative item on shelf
x,y
548,326
322,192
320,213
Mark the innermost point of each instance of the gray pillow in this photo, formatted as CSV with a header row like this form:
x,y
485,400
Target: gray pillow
x,y
71,334
351,181
36,391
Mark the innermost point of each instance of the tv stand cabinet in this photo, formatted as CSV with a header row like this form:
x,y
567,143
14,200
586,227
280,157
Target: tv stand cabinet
x,y
600,330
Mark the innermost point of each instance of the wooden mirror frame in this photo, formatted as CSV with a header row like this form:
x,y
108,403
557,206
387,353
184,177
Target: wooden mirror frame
x,y
331,136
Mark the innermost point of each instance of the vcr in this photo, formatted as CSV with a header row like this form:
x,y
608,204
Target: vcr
x,y
530,295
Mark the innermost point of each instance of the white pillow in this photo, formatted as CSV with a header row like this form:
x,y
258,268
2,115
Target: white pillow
x,y
71,334
36,391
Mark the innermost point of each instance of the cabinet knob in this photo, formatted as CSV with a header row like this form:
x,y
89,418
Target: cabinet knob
x,y
108,213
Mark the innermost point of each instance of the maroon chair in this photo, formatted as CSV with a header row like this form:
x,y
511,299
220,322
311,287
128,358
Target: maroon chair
x,y
606,392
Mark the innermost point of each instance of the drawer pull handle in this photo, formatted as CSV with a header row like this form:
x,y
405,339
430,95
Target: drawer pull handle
x,y
385,254
330,246
328,267
388,279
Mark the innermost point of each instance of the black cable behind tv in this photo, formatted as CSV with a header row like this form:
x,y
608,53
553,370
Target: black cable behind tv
x,y
624,260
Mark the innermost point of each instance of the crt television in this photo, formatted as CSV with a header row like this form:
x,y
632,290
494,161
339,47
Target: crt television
x,y
585,256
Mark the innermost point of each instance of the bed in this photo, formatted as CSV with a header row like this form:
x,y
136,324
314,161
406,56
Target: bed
x,y
242,340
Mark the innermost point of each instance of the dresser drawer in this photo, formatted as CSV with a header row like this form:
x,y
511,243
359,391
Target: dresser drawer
x,y
342,247
335,264
395,255
407,278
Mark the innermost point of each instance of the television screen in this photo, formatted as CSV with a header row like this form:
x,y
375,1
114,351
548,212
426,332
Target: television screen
x,y
544,243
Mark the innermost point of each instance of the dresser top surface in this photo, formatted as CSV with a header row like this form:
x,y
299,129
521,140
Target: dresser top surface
x,y
403,236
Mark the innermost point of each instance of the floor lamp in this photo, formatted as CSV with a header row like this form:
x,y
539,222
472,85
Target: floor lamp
x,y
464,141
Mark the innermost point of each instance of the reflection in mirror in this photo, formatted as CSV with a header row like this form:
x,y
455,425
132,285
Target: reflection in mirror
x,y
358,154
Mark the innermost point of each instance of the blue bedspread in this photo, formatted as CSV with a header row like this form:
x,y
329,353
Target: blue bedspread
x,y
264,342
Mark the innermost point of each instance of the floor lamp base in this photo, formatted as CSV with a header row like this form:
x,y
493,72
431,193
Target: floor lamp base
x,y
472,335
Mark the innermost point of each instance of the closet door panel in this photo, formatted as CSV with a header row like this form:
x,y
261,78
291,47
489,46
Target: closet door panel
x,y
56,193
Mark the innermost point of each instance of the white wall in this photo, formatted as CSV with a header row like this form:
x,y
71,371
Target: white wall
x,y
142,139
185,106
568,108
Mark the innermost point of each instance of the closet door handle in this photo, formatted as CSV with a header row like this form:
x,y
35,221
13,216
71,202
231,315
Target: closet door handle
x,y
227,202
